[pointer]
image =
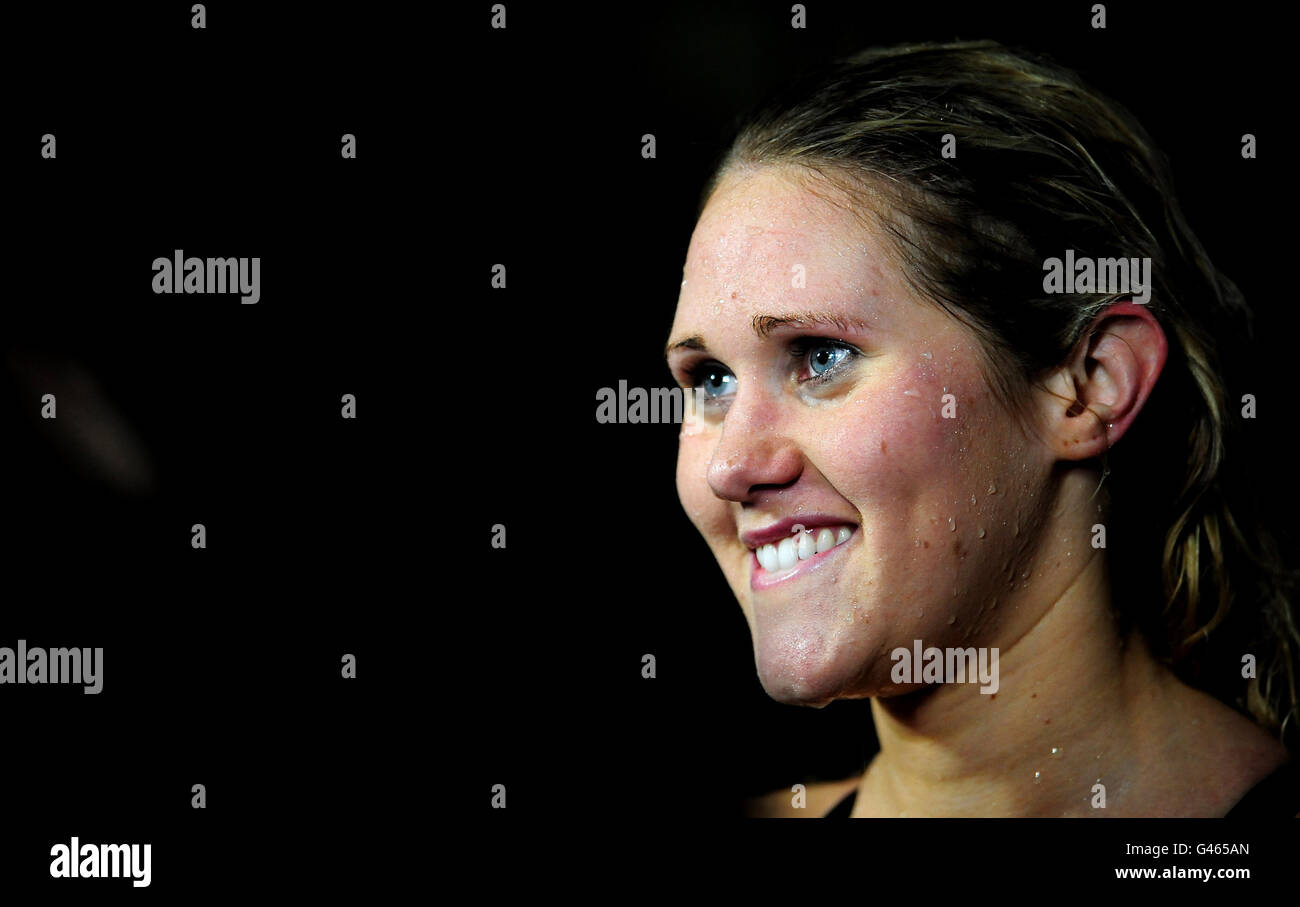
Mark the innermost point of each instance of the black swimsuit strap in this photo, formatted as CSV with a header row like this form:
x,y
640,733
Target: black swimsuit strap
x,y
844,807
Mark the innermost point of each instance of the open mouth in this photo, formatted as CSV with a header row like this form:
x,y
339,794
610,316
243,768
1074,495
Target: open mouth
x,y
779,561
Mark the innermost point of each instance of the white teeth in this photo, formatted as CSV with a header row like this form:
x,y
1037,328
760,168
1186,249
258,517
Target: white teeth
x,y
825,540
809,543
807,546
786,554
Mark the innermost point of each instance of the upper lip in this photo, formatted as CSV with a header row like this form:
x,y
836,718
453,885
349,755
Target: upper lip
x,y
782,528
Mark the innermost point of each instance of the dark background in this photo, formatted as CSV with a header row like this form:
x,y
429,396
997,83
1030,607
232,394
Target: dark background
x,y
476,406
221,666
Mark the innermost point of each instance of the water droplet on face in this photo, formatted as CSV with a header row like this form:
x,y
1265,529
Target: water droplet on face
x,y
911,392
952,620
992,488
928,355
1056,751
982,533
952,525
1037,777
1017,530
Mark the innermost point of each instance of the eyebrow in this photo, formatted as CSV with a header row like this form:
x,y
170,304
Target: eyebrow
x,y
765,325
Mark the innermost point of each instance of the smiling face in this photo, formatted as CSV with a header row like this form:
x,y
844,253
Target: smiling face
x,y
826,407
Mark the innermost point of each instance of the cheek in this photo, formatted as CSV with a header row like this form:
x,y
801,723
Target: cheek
x,y
918,467
896,441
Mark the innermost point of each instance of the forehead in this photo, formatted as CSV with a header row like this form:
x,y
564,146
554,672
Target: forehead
x,y
767,229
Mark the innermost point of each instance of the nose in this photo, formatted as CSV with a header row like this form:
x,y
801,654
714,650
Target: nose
x,y
752,451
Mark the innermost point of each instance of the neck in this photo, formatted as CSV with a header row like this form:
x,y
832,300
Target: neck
x,y
1077,705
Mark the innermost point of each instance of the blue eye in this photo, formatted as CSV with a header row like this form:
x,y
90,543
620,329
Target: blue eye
x,y
714,379
826,360
825,357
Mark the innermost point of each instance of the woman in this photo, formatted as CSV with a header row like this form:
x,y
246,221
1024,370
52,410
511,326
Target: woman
x,y
936,414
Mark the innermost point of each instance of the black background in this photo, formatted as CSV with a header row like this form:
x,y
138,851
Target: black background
x,y
221,666
475,406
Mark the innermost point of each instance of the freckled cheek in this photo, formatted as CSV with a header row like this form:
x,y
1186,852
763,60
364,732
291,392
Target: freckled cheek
x,y
887,452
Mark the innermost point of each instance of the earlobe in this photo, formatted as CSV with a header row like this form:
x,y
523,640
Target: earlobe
x,y
1109,376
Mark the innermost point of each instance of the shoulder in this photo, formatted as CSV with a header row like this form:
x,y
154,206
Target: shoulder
x,y
1229,756
819,797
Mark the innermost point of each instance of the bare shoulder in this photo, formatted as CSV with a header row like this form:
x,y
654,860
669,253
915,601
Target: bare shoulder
x,y
1234,752
819,797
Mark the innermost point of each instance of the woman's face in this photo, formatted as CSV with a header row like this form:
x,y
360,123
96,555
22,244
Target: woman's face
x,y
826,407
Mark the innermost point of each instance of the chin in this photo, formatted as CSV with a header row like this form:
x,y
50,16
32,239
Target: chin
x,y
805,669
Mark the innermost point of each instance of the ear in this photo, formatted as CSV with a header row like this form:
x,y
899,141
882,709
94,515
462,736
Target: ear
x,y
1110,373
